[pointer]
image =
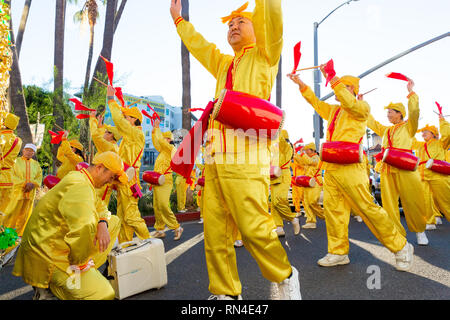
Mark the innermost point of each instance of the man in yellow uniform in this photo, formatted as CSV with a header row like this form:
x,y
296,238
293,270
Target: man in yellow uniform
x,y
105,138
436,185
128,123
297,192
236,194
70,153
279,187
161,194
345,185
10,146
27,178
310,160
70,234
397,183
181,187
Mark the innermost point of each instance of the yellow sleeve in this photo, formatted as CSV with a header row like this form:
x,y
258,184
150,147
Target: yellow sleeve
x,y
160,144
68,153
205,52
375,126
60,154
323,109
413,113
358,109
268,25
18,176
286,151
37,179
97,137
125,128
444,129
416,145
80,217
305,160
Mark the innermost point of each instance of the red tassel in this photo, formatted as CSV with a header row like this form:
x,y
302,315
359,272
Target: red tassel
x,y
82,116
297,56
439,107
109,70
119,95
56,137
398,76
145,113
79,106
329,69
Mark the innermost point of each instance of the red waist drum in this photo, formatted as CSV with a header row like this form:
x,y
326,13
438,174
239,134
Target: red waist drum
x,y
244,111
341,152
154,178
201,182
304,181
275,172
50,181
400,159
438,166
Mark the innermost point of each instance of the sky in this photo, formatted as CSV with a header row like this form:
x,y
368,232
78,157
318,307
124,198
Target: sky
x,y
358,36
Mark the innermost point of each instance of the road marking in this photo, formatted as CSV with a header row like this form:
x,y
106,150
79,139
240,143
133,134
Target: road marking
x,y
182,248
16,293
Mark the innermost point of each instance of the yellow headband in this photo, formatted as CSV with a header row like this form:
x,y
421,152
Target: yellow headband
x,y
111,161
168,134
311,146
238,13
397,107
351,81
114,131
76,144
11,121
133,112
432,129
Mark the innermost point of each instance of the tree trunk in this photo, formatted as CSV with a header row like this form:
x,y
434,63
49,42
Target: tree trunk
x,y
279,84
23,23
89,61
119,14
186,72
16,95
58,71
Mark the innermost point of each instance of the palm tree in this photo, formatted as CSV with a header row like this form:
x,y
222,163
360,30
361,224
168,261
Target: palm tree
x,y
186,72
23,23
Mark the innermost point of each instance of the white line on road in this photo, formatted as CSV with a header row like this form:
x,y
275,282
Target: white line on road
x,y
182,248
15,293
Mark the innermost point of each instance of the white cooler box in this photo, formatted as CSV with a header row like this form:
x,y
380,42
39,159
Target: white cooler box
x,y
137,266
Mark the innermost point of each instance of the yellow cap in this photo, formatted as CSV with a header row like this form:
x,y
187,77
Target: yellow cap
x,y
76,144
112,162
351,81
114,131
398,107
168,134
432,129
11,121
311,146
238,13
133,112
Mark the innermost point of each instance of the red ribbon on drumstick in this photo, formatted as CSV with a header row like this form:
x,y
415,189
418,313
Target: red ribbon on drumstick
x,y
398,76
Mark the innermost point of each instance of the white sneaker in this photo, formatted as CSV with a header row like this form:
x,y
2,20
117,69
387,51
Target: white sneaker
x,y
182,211
358,218
289,289
430,227
296,225
223,297
200,221
178,233
331,260
309,225
404,258
438,220
280,232
158,234
422,238
238,243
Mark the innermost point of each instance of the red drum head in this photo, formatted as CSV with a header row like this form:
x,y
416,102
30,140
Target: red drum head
x,y
254,115
82,165
50,181
304,181
341,152
153,178
201,182
401,159
438,166
275,172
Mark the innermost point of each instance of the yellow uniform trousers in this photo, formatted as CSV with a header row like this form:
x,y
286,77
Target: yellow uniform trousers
x,y
19,213
181,187
130,217
438,191
345,189
90,285
297,197
5,198
311,203
235,201
279,204
407,186
161,205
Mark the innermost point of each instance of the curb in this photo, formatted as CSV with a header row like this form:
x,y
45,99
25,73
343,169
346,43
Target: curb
x,y
181,217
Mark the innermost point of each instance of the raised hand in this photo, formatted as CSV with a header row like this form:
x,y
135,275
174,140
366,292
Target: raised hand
x,y
410,85
175,9
296,79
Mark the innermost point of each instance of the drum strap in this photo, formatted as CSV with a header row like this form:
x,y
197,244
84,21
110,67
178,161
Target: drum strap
x,y
229,83
428,154
16,141
332,125
317,173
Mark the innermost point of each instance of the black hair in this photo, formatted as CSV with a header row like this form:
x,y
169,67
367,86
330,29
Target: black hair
x,y
137,123
80,153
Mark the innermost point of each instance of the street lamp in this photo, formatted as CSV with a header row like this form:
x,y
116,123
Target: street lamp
x,y
318,121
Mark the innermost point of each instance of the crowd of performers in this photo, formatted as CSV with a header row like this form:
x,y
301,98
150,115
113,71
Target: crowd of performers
x,y
70,229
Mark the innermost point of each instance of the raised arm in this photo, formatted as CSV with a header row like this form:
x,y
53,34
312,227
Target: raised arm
x,y
444,128
376,126
413,109
358,109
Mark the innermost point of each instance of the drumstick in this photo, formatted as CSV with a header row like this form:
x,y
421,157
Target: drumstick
x,y
307,68
139,100
100,81
59,127
442,114
369,91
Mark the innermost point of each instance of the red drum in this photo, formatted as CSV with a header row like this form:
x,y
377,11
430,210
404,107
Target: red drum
x,y
341,152
304,181
400,159
439,166
201,182
154,178
82,165
51,181
136,191
244,111
275,172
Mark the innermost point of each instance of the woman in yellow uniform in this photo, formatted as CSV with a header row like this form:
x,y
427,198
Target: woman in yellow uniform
x,y
27,178
436,185
181,187
128,123
70,153
279,187
236,193
397,183
297,192
70,234
310,160
10,146
345,185
161,194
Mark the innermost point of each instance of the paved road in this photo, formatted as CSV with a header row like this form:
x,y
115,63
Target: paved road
x,y
370,275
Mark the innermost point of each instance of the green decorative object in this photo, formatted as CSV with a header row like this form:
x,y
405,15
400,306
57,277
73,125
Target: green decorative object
x,y
8,238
